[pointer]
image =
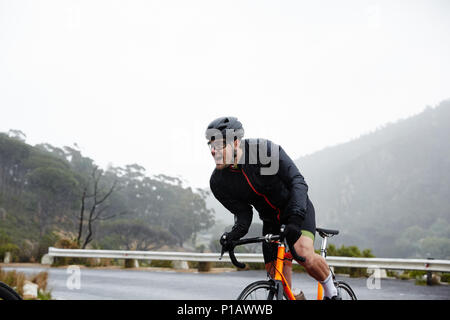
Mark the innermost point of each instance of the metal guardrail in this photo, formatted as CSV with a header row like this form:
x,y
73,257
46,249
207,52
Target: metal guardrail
x,y
391,263
380,263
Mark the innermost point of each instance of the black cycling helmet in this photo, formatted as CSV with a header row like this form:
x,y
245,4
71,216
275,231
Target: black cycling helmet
x,y
223,126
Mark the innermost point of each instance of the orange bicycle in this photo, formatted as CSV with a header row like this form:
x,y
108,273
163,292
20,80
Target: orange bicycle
x,y
277,288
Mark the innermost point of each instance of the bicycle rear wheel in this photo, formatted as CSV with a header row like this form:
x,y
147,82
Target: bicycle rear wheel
x,y
7,293
260,290
345,291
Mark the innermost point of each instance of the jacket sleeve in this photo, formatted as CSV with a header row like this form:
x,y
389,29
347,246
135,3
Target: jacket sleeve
x,y
243,212
292,177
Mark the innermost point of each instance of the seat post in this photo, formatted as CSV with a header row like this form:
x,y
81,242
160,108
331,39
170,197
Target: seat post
x,y
323,247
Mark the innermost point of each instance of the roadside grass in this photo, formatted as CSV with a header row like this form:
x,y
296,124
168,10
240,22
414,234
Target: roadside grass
x,y
16,280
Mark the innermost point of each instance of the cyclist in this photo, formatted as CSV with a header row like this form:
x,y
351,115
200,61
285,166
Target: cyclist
x,y
258,173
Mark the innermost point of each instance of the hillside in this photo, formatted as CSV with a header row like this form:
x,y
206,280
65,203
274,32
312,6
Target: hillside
x,y
388,190
49,195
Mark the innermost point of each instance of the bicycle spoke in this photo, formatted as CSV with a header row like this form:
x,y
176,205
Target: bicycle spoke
x,y
260,294
260,290
345,291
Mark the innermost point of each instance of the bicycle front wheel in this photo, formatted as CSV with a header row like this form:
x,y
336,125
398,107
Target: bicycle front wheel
x,y
345,291
7,293
260,290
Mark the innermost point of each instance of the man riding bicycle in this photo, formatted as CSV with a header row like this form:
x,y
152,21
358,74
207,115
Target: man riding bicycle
x,y
258,173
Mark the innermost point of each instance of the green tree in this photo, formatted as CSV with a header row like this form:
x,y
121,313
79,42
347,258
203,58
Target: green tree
x,y
134,235
52,189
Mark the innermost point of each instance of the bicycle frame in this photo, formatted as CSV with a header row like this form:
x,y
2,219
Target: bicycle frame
x,y
276,276
277,285
279,277
281,254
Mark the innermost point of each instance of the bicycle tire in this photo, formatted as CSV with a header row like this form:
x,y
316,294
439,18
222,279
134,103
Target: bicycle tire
x,y
7,293
266,289
345,291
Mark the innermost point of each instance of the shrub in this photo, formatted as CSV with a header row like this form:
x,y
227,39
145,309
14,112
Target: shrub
x,y
66,243
48,240
129,263
41,280
16,280
350,251
204,266
416,274
13,279
445,277
402,276
219,264
161,264
7,246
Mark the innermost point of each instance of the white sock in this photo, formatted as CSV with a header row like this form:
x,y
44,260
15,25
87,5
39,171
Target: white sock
x,y
329,290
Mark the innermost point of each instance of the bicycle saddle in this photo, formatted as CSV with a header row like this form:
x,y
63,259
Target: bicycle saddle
x,y
326,232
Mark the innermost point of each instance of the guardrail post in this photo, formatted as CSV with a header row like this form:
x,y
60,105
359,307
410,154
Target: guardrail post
x,y
131,263
180,264
47,259
7,258
429,275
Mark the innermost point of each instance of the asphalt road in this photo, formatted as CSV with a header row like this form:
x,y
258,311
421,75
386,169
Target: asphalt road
x,y
113,284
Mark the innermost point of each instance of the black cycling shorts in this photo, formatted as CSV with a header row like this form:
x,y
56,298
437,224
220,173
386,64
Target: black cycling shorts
x,y
308,230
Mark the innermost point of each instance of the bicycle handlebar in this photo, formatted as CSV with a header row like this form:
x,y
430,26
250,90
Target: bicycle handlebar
x,y
235,261
267,238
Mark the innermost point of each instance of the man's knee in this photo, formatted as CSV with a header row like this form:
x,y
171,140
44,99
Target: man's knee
x,y
305,248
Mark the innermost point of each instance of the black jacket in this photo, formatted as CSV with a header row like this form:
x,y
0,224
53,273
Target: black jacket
x,y
275,196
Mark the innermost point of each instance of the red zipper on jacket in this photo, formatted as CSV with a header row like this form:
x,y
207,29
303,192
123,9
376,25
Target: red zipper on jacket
x,y
262,195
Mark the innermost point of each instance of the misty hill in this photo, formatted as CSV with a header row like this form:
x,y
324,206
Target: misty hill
x,y
388,190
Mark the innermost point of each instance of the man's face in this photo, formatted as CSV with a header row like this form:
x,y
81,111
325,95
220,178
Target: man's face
x,y
222,153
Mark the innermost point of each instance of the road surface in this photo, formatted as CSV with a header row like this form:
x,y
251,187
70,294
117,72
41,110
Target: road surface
x,y
151,284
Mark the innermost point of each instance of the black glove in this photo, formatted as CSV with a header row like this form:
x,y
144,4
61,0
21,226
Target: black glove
x,y
292,232
226,242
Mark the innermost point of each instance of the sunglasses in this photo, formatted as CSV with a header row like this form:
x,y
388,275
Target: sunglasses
x,y
217,144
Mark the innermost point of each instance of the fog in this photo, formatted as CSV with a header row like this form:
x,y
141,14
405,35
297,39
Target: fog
x,y
138,81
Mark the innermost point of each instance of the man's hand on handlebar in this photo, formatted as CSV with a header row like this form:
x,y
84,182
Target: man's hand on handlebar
x,y
228,245
226,242
292,230
292,233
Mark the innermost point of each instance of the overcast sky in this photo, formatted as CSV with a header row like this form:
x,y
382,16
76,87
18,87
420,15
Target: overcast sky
x,y
138,81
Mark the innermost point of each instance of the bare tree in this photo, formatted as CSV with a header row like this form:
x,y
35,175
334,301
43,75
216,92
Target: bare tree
x,y
97,207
